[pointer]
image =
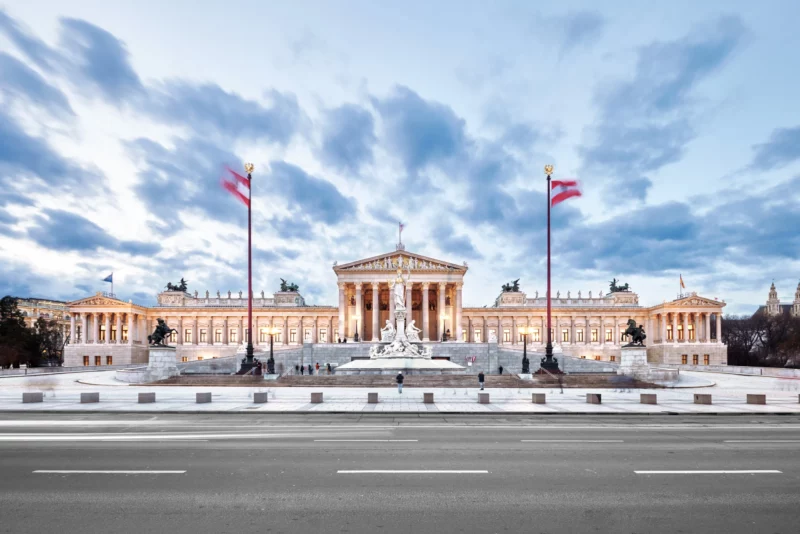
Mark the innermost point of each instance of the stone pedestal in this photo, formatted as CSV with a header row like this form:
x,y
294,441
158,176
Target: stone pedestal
x,y
633,362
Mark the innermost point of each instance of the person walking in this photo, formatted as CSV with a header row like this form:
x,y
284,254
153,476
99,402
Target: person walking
x,y
310,370
481,378
501,369
317,367
399,379
302,370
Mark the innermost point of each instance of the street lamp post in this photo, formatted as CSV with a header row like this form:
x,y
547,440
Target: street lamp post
x,y
271,362
526,364
356,337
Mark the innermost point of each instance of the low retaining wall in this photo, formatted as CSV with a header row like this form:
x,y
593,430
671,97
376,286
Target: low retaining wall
x,y
776,372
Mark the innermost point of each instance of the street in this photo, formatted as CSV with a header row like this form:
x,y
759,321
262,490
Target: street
x,y
373,473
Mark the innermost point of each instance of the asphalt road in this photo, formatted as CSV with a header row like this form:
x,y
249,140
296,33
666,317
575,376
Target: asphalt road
x,y
308,474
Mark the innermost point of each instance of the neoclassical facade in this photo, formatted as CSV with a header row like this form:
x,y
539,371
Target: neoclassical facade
x,y
104,330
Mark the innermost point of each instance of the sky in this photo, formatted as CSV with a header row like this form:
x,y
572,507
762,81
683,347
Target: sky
x,y
680,120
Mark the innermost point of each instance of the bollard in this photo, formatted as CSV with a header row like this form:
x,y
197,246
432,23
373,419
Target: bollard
x,y
756,399
483,398
147,398
372,398
593,398
539,398
202,398
316,398
702,398
260,397
427,398
32,397
648,398
89,397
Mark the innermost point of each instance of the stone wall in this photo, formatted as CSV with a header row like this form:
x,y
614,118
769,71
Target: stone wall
x,y
670,354
121,354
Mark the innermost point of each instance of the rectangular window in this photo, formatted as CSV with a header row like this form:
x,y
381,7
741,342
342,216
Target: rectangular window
x,y
86,361
184,358
98,360
199,358
691,332
506,335
124,333
579,335
113,333
323,335
609,335
464,336
669,333
217,336
233,334
583,357
680,332
173,337
695,359
565,335
203,335
293,335
187,336
109,359
278,338
597,358
102,333
78,333
477,334
262,335
519,336
684,359
536,337
705,359
612,358
307,336
595,335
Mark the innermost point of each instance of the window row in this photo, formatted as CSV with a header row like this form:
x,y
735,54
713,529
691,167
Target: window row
x,y
695,359
535,335
98,360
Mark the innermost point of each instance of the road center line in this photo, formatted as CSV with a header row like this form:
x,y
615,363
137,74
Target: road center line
x,y
366,440
410,472
572,441
86,472
711,472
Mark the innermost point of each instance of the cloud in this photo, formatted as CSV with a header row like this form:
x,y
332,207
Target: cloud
x,y
207,109
307,194
645,123
25,156
20,82
419,131
99,58
782,148
460,245
578,29
34,49
66,231
348,136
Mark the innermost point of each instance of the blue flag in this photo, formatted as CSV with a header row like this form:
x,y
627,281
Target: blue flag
x,y
109,278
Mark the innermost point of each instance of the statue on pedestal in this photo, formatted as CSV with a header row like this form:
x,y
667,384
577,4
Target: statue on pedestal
x,y
388,332
412,333
160,334
398,285
636,333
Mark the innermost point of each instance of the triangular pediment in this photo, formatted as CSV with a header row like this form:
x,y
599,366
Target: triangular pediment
x,y
410,260
695,300
98,300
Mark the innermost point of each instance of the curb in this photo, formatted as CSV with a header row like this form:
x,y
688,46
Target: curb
x,y
395,414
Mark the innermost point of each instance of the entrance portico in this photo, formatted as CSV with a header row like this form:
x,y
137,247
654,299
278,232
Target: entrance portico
x,y
433,291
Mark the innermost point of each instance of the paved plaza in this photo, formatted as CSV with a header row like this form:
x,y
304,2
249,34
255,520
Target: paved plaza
x,y
62,394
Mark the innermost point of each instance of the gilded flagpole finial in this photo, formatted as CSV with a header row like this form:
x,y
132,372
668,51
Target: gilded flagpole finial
x,y
548,170
248,167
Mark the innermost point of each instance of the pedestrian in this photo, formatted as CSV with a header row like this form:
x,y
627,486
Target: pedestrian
x,y
296,369
481,378
399,379
329,368
302,369
310,370
317,367
501,369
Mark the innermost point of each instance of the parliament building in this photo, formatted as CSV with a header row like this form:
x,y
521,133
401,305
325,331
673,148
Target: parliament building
x,y
107,331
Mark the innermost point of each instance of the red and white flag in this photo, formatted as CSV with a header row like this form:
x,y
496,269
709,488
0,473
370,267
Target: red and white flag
x,y
238,186
566,189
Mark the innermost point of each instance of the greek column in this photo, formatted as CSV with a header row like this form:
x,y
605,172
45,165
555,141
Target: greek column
x,y
376,311
359,306
84,327
225,331
180,330
587,332
696,327
707,331
118,327
195,332
71,328
107,325
341,310
674,327
719,327
686,327
425,312
440,311
96,327
459,328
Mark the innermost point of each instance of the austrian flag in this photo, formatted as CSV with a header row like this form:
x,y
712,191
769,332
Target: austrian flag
x,y
566,189
238,186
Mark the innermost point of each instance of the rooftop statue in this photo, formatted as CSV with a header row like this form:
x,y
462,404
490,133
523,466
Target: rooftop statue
x,y
288,287
613,287
511,287
177,287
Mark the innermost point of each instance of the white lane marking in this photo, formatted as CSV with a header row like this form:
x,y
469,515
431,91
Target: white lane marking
x,y
572,441
367,440
762,441
411,472
87,472
711,472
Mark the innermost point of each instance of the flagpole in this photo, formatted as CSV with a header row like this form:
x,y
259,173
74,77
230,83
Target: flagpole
x,y
548,363
249,355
